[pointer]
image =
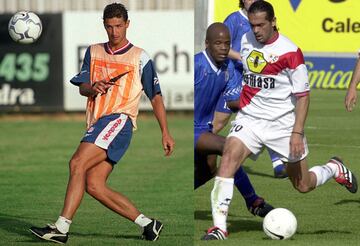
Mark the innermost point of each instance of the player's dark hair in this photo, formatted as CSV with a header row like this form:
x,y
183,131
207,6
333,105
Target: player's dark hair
x,y
241,4
117,10
263,6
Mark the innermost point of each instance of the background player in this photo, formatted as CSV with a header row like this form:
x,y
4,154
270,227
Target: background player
x,y
214,74
273,107
112,77
238,24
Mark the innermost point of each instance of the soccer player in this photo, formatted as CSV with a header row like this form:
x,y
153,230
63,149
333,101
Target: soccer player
x,y
351,95
273,106
238,24
214,74
112,77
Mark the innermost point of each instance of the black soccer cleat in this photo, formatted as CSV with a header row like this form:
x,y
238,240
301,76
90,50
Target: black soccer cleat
x,y
346,177
50,233
215,233
152,230
260,208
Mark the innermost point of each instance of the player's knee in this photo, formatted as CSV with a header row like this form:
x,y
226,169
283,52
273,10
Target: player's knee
x,y
76,166
302,187
93,188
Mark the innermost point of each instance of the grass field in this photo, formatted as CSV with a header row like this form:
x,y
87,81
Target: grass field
x,y
34,155
327,216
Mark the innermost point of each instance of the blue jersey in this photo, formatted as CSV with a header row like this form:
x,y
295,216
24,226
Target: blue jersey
x,y
210,83
238,25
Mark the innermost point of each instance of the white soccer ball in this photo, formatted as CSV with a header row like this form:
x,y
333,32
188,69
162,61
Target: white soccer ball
x,y
25,27
280,224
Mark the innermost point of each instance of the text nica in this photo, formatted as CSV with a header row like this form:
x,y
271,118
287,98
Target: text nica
x,y
259,82
112,129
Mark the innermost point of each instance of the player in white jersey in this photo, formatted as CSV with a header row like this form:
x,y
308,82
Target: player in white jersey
x,y
273,107
351,95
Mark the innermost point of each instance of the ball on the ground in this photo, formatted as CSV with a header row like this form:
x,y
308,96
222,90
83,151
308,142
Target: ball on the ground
x,y
280,223
25,27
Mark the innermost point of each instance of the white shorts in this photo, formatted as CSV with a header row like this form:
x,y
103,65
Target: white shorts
x,y
256,133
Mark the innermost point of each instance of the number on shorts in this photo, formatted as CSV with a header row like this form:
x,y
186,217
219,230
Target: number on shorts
x,y
236,128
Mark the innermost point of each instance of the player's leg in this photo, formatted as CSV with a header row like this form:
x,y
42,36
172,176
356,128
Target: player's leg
x,y
86,156
220,121
210,143
204,168
305,180
278,165
221,116
97,187
255,204
235,152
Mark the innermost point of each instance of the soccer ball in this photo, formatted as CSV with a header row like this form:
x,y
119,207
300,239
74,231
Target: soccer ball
x,y
280,224
25,27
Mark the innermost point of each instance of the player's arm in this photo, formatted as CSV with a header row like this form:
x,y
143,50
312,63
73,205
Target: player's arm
x,y
234,55
301,110
152,90
233,105
351,95
160,114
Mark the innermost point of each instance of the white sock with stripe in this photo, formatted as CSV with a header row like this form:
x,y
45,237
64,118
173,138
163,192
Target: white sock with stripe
x,y
221,196
325,172
63,224
142,220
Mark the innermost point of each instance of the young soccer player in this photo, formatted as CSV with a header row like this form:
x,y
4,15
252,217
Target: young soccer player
x,y
112,77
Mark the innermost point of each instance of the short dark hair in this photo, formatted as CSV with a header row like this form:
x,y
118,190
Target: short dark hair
x,y
262,6
115,10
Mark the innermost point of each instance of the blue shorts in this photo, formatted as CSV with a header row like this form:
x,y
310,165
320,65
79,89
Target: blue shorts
x,y
112,133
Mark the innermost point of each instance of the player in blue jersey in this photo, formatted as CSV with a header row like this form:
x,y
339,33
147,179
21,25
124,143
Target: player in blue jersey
x,y
238,24
214,75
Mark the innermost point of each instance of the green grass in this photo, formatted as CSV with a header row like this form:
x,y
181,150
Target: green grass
x,y
327,216
34,155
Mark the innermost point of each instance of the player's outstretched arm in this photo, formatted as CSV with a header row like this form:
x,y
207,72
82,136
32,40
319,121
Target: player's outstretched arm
x,y
351,95
160,114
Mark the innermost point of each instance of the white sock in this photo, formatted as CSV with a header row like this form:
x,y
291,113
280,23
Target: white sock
x,y
324,173
63,224
221,196
277,163
142,220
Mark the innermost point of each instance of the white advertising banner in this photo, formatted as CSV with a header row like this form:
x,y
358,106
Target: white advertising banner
x,y
167,36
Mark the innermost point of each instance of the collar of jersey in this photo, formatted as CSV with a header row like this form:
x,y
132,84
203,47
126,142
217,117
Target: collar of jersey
x,y
119,51
212,65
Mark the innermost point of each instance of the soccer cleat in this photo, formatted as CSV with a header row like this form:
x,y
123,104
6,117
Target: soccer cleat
x,y
215,233
50,233
280,171
260,208
152,230
346,177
